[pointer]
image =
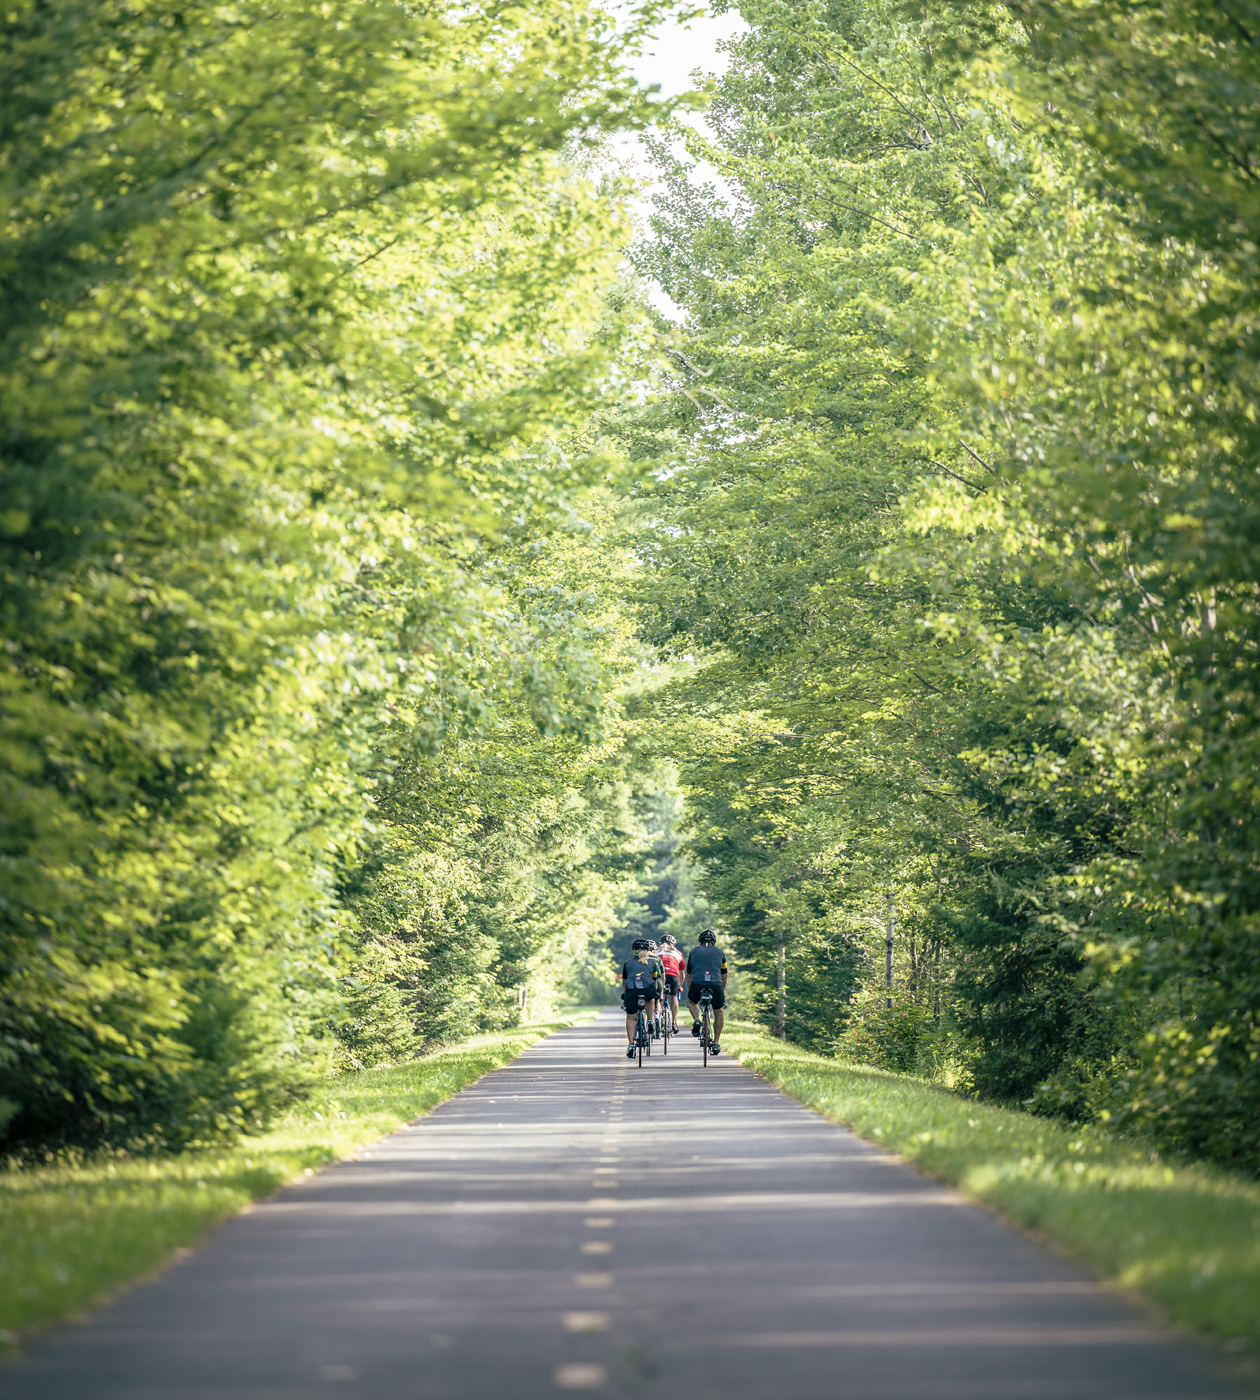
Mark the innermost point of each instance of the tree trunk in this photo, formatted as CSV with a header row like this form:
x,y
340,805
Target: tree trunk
x,y
780,1006
890,928
936,982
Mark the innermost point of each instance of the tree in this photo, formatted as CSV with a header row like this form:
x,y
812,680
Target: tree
x,y
297,315
954,499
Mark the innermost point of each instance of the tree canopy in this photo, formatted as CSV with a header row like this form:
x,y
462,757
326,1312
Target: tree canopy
x,y
400,613
956,466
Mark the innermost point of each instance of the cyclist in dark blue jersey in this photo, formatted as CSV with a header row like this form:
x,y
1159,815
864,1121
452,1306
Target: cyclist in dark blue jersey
x,y
640,983
706,968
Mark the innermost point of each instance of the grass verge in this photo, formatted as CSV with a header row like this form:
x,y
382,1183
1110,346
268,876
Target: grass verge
x,y
70,1233
1186,1237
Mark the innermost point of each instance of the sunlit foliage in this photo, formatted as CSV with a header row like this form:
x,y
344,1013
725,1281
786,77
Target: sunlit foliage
x,y
301,307
956,505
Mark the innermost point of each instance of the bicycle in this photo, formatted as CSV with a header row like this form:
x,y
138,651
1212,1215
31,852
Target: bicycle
x,y
641,1037
706,1013
665,1029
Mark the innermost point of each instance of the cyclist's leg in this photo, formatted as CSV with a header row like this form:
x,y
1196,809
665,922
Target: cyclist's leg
x,y
718,1018
669,1010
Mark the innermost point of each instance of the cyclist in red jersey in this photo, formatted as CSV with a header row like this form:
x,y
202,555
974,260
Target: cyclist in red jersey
x,y
673,963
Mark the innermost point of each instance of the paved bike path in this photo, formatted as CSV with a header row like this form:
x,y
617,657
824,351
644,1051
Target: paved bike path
x,y
573,1222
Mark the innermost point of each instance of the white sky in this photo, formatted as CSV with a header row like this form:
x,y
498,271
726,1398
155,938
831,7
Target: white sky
x,y
680,49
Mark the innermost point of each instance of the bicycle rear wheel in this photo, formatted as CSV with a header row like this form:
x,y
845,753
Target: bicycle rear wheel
x,y
704,1035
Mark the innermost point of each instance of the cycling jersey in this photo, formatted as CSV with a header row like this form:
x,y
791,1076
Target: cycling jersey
x,y
705,965
673,961
639,975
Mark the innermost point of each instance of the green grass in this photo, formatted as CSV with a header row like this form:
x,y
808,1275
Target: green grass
x,y
70,1233
1186,1237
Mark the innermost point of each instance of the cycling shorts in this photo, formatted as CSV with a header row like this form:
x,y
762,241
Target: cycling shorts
x,y
636,998
671,985
719,994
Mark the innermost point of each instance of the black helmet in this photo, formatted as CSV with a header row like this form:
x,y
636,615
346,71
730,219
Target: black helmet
x,y
639,945
708,936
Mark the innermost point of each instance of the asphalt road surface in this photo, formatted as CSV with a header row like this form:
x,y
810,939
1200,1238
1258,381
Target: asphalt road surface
x,y
575,1223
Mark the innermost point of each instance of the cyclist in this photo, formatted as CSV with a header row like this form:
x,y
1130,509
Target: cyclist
x,y
706,967
672,962
640,974
656,1015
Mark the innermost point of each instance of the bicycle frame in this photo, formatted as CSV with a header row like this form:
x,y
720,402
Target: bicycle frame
x,y
641,1036
706,1013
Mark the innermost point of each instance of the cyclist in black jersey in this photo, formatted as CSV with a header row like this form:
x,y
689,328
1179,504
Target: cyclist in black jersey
x,y
654,1015
706,969
639,981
